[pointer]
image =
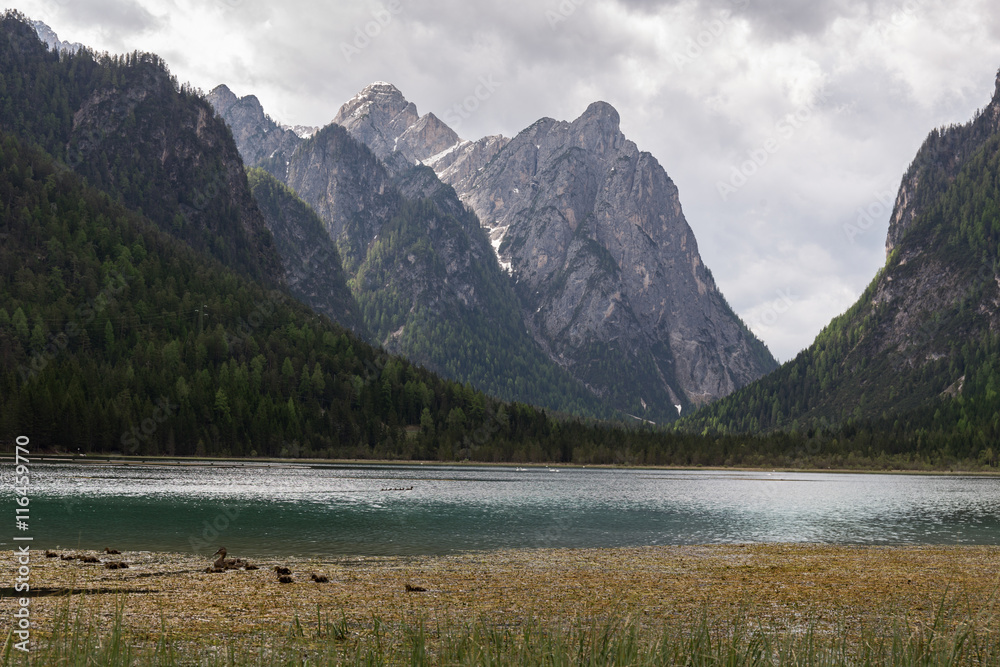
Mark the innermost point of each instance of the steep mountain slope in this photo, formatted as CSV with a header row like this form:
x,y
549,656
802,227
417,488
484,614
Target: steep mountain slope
x,y
419,265
125,124
921,344
115,337
313,271
607,271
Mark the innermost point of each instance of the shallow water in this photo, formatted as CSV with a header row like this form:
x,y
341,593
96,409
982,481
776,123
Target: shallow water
x,y
336,510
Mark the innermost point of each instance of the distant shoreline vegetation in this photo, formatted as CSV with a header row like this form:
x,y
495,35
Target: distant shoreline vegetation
x,y
874,467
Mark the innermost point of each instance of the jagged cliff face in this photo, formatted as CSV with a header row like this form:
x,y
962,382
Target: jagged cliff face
x,y
258,137
346,186
919,284
593,231
313,270
606,269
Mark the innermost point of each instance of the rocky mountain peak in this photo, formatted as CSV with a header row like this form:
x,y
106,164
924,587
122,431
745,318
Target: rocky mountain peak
x,y
257,136
377,117
602,114
380,98
222,98
606,266
597,129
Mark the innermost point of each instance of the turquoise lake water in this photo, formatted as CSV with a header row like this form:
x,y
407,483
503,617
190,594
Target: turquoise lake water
x,y
340,510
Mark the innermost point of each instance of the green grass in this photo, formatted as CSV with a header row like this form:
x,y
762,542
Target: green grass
x,y
950,637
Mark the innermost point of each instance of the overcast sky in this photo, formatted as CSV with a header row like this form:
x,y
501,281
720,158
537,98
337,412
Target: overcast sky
x,y
779,120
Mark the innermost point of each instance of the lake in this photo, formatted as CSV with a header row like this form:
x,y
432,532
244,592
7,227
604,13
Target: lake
x,y
341,510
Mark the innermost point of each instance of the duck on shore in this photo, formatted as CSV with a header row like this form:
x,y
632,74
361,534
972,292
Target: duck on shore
x,y
222,563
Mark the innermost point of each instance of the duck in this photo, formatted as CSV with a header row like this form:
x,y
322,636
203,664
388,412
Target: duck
x,y
282,570
108,550
285,579
51,554
319,578
410,588
116,565
227,563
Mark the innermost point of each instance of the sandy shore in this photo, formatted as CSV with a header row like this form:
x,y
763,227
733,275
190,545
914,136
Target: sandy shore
x,y
779,586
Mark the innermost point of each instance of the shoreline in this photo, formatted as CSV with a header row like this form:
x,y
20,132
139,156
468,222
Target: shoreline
x,y
778,585
193,461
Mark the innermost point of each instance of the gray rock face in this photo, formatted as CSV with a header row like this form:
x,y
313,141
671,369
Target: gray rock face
x,y
607,270
595,236
258,137
313,270
346,186
459,164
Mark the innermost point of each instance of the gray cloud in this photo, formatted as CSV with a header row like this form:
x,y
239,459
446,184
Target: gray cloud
x,y
114,16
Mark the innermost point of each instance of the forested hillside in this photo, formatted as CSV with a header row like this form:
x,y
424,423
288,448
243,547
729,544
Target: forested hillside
x,y
115,337
127,126
916,361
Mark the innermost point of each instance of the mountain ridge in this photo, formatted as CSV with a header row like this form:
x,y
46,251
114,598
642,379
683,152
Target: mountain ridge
x,y
420,267
632,341
503,179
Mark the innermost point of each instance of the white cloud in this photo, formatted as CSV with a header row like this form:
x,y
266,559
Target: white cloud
x,y
698,83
